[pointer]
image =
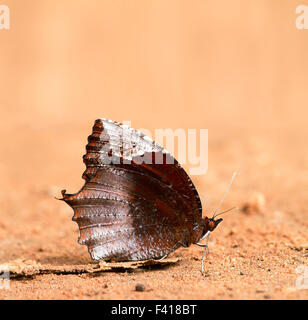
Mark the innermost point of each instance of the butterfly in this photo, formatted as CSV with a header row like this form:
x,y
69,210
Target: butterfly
x,y
137,202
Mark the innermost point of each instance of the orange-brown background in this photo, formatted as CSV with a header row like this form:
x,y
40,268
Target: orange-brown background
x,y
237,68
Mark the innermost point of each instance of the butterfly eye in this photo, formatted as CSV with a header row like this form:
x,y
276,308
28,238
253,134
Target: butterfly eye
x,y
211,224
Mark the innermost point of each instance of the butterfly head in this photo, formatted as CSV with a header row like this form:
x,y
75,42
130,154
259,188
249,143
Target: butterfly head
x,y
207,224
210,224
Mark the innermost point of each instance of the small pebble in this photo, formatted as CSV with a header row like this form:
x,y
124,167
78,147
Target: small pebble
x,y
256,203
140,287
259,291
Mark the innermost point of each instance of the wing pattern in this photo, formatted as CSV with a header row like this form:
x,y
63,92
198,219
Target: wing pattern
x,y
131,207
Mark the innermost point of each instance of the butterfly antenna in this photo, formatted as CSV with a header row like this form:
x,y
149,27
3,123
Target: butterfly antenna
x,y
220,213
224,196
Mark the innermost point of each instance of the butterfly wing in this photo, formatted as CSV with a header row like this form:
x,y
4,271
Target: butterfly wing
x,y
131,207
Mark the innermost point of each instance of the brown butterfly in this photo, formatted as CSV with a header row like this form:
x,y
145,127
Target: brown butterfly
x,y
137,202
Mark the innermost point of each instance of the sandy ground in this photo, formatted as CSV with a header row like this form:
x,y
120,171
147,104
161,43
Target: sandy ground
x,y
254,253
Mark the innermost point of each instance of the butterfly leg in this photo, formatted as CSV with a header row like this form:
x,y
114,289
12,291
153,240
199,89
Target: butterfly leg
x,y
172,249
206,249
